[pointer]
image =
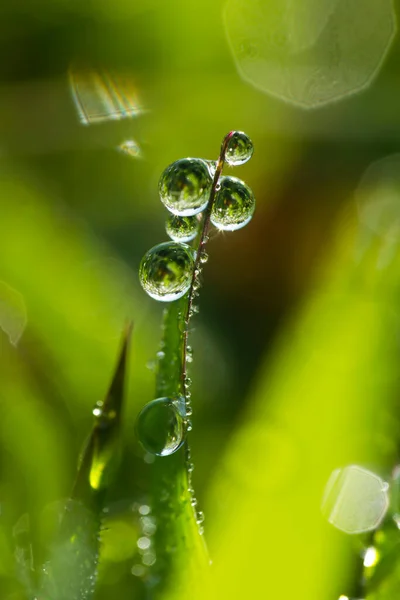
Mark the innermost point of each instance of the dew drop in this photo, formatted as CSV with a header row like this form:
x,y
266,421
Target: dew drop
x,y
200,517
182,229
239,149
160,426
233,206
131,148
185,186
203,257
189,411
166,271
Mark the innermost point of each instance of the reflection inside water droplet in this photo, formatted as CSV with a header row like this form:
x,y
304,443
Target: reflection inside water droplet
x,y
239,149
160,426
166,271
185,186
182,229
234,205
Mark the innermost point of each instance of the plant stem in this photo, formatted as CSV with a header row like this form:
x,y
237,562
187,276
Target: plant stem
x,y
200,250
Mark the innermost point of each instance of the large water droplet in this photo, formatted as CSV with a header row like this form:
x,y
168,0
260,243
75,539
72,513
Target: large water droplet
x,y
166,271
233,206
160,426
182,229
185,186
239,149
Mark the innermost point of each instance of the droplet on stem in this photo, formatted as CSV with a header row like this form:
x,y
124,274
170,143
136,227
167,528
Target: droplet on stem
x,y
182,229
234,205
185,186
239,149
160,426
166,271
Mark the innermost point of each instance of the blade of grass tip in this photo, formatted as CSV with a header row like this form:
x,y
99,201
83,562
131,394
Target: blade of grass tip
x,y
71,571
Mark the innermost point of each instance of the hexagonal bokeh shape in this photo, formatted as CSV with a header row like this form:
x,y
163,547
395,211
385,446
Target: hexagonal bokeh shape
x,y
355,500
309,52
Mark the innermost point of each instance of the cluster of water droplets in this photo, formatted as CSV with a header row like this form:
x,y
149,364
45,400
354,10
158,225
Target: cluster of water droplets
x,y
172,269
185,188
145,544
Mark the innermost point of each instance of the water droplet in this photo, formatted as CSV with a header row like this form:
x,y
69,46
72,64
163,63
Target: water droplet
x,y
182,229
131,148
103,417
144,509
355,500
138,570
233,206
160,354
239,149
160,426
196,284
193,502
189,411
190,467
185,186
189,425
200,517
203,257
144,543
166,271
149,559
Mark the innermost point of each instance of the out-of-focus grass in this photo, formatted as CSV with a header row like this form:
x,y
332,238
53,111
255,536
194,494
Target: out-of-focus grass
x,y
75,218
320,403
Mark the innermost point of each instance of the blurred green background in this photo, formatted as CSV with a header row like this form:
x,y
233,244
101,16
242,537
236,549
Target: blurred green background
x,y
297,343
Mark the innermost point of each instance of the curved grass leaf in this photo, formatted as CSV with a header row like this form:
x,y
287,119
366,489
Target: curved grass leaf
x,y
71,570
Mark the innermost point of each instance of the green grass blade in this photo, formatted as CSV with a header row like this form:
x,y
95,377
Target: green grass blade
x,y
71,570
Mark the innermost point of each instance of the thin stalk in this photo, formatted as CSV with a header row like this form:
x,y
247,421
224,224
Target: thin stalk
x,y
200,250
